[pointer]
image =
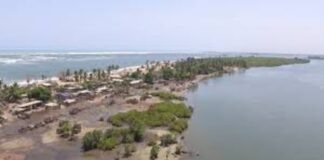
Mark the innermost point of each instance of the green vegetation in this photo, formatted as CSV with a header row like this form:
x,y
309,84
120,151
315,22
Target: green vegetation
x,y
149,77
138,130
167,73
111,138
40,93
132,101
154,152
189,68
161,114
167,140
144,96
129,149
151,142
136,75
270,61
178,150
2,120
107,143
11,93
178,126
89,85
67,130
91,140
166,95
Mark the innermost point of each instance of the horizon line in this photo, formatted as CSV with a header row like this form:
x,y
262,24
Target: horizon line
x,y
156,51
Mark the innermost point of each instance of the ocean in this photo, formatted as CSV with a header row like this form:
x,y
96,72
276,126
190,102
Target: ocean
x,y
257,114
22,65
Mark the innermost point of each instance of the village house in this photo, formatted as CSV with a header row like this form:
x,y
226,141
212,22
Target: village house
x,y
21,108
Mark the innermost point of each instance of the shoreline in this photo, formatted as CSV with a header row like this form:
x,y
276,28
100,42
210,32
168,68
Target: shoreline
x,y
88,116
184,88
10,146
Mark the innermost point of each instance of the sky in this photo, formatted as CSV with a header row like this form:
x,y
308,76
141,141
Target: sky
x,y
275,26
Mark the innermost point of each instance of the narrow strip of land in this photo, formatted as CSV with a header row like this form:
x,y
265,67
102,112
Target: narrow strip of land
x,y
133,113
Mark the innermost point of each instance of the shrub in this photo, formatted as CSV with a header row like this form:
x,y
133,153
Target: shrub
x,y
138,129
154,152
116,119
132,101
161,114
39,93
12,93
129,149
76,129
91,140
151,142
166,96
128,138
64,129
149,78
178,150
167,73
107,144
167,140
109,139
180,110
144,96
152,139
136,75
101,119
67,130
179,125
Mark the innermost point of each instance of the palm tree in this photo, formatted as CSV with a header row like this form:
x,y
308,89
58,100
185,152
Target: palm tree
x,y
81,74
99,74
85,76
108,70
76,76
90,76
103,74
1,83
68,72
12,93
147,64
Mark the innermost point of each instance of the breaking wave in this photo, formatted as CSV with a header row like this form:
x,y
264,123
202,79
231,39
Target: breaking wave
x,y
10,60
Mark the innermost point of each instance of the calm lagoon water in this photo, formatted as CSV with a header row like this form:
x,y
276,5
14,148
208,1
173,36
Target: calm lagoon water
x,y
260,114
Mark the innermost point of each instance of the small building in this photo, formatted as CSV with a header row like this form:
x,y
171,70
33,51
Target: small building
x,y
101,89
51,105
82,93
117,80
73,88
24,96
26,106
45,84
62,96
115,76
69,101
135,82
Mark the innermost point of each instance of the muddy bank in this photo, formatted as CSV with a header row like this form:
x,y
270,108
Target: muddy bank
x,y
35,143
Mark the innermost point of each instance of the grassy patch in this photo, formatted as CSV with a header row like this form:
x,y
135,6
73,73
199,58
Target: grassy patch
x,y
271,61
166,96
111,138
179,126
159,115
